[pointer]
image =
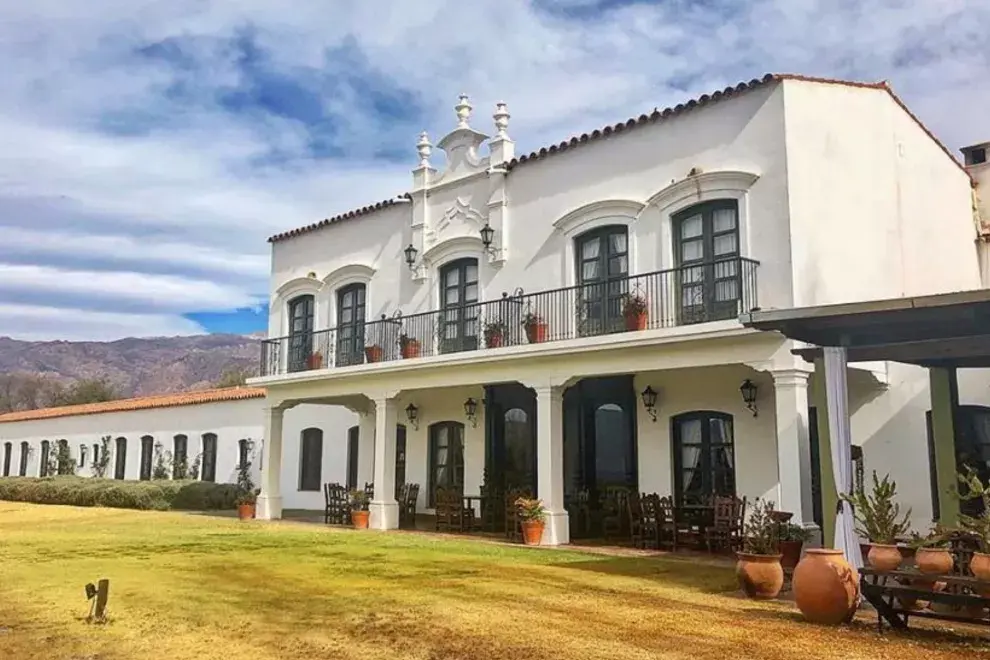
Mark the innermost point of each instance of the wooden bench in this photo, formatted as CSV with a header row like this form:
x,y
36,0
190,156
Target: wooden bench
x,y
882,590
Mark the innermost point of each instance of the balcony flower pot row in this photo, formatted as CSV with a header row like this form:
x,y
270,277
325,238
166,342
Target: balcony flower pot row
x,y
408,348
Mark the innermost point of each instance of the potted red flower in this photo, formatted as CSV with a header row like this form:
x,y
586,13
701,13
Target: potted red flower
x,y
494,334
359,509
409,347
634,311
373,353
316,360
536,328
532,518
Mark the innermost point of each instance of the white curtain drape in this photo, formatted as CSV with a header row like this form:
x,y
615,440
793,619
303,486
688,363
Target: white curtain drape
x,y
841,442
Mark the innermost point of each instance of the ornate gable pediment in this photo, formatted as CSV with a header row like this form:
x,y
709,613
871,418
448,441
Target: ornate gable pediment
x,y
460,219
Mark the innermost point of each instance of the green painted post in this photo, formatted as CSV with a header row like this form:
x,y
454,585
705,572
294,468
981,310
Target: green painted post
x,y
826,477
945,402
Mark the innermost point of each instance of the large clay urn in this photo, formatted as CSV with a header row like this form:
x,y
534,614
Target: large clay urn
x,y
760,576
826,587
980,566
885,558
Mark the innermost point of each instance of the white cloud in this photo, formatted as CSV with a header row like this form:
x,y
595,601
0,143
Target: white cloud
x,y
106,155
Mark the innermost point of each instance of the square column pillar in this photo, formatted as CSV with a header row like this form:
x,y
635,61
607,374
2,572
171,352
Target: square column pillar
x,y
383,508
366,449
944,389
550,462
793,444
270,499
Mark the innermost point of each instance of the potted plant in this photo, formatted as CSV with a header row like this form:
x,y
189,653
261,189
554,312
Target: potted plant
x,y
373,353
758,567
316,360
880,521
634,311
932,556
977,526
409,347
536,328
494,334
790,541
247,494
532,518
359,509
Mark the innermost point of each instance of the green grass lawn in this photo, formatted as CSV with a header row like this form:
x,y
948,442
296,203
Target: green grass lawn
x,y
189,586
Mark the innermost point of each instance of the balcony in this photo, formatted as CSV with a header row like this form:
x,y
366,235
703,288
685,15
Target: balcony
x,y
699,293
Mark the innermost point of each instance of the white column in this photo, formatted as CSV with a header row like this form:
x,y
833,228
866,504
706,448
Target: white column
x,y
384,509
270,499
550,462
793,444
366,449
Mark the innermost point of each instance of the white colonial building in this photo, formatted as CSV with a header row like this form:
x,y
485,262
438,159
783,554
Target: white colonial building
x,y
220,427
567,320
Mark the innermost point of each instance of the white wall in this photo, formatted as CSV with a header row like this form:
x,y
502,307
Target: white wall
x,y
231,421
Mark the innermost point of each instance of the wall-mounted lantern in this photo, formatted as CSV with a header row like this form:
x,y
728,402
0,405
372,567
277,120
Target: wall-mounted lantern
x,y
471,411
412,414
650,402
411,253
487,236
749,391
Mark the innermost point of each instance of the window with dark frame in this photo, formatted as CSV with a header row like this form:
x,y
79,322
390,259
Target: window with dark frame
x,y
120,458
96,454
8,450
243,452
353,447
350,324
446,458
706,246
458,304
46,449
147,451
602,257
311,460
22,471
180,453
83,450
209,465
301,310
704,457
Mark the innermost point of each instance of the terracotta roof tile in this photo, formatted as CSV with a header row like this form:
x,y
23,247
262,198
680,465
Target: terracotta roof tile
x,y
656,115
140,403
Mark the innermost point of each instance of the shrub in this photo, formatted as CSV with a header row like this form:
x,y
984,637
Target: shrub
x,y
157,495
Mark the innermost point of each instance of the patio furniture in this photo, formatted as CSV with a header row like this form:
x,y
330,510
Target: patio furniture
x,y
369,493
645,530
337,509
615,503
449,510
471,520
691,521
513,531
408,496
726,531
666,524
492,508
579,514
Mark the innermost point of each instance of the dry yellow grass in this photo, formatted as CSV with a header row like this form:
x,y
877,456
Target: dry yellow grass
x,y
190,587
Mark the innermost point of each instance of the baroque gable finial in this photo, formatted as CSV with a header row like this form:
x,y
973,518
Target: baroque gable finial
x,y
463,109
501,117
424,149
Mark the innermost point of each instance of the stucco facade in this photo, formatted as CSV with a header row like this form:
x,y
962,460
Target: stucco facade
x,y
796,191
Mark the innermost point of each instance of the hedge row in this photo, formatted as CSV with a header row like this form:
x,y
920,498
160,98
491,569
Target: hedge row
x,y
83,491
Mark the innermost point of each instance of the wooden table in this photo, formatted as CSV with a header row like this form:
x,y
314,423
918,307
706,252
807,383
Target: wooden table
x,y
469,501
882,590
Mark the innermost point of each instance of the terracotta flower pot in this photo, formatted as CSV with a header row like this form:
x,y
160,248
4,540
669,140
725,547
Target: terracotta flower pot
x,y
826,587
636,320
980,565
760,576
884,558
359,519
245,511
933,561
532,531
494,340
373,353
790,553
316,360
411,348
536,333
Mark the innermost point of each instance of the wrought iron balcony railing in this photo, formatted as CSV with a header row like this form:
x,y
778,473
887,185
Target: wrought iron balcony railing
x,y
710,291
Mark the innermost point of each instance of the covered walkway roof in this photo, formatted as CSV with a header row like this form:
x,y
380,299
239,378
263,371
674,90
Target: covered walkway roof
x,y
944,330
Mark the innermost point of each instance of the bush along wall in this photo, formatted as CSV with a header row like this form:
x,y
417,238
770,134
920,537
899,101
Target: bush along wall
x,y
83,491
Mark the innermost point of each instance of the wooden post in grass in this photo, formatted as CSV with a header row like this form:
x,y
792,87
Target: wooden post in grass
x,y
98,607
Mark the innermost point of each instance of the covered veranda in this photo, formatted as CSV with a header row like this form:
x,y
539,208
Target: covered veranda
x,y
943,333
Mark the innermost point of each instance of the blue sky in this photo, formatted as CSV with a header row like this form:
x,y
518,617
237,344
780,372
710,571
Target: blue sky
x,y
147,148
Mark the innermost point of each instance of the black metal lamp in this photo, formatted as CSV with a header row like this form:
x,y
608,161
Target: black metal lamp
x,y
471,411
487,236
650,402
412,414
411,253
749,391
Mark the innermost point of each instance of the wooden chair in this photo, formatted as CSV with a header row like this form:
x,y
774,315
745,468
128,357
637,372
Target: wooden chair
x,y
634,511
337,509
513,531
726,532
449,508
579,514
408,496
614,516
666,524
649,523
492,508
369,494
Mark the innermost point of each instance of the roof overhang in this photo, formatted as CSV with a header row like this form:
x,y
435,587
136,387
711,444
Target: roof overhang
x,y
944,330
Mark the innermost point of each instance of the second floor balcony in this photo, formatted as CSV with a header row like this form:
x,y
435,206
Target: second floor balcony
x,y
714,291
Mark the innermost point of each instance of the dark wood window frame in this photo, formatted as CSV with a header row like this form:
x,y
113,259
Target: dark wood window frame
x,y
353,456
600,297
147,457
351,298
713,276
8,452
22,468
243,452
301,312
46,448
705,465
457,457
120,458
459,319
310,459
209,462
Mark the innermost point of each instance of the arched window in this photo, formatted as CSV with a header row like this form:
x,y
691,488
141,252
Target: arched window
x,y
603,273
301,310
147,452
120,459
45,455
209,472
63,459
350,324
23,467
706,248
353,449
83,452
446,458
519,455
459,305
311,459
613,458
8,450
704,457
180,456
